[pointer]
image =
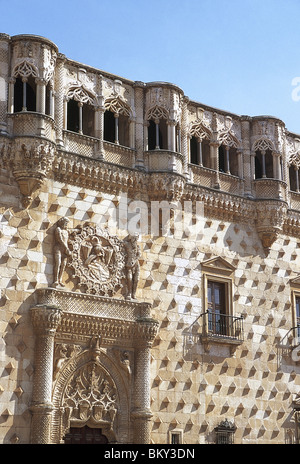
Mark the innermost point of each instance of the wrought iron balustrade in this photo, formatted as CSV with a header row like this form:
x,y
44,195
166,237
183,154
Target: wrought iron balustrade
x,y
223,326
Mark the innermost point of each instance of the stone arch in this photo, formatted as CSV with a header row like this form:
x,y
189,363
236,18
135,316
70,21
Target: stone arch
x,y
108,410
25,69
80,94
263,144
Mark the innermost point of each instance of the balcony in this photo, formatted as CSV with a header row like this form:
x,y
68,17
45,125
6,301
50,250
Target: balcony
x,y
222,329
207,177
30,123
267,188
164,160
295,200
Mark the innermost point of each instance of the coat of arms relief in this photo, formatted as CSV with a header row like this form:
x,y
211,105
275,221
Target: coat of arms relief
x,y
101,263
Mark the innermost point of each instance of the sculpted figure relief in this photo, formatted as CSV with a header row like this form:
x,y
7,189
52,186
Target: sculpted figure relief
x,y
100,262
61,251
132,266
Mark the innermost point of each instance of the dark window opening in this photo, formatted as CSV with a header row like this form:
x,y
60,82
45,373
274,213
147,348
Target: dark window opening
x,y
197,157
175,439
194,150
48,96
116,129
88,120
294,179
124,130
264,165
228,163
109,126
85,436
216,300
20,98
162,142
73,116
298,314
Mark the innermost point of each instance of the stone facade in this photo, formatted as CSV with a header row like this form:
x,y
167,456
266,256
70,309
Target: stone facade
x,y
174,336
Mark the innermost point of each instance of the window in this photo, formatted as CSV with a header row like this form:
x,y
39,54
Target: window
x,y
200,152
216,305
264,164
116,128
225,433
294,178
176,437
157,135
219,323
80,117
25,95
228,160
297,301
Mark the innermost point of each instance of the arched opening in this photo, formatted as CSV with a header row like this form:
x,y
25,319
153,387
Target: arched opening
x,y
157,135
85,436
264,164
24,95
199,152
80,117
73,116
294,178
116,128
228,160
109,126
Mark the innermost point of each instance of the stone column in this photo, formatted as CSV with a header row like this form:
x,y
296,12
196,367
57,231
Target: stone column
x,y
11,94
141,414
4,73
59,103
247,167
214,160
139,125
45,320
99,130
185,136
40,95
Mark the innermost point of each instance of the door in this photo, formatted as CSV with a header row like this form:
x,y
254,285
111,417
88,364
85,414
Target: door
x,y
85,436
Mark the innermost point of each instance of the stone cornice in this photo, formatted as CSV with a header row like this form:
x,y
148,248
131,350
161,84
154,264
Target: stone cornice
x,y
84,316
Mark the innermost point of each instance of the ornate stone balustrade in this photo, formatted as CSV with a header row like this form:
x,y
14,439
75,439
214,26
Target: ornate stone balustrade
x,y
80,144
207,177
118,154
295,200
164,160
28,123
270,188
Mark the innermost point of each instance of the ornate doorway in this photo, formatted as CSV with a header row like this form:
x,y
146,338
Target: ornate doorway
x,y
85,436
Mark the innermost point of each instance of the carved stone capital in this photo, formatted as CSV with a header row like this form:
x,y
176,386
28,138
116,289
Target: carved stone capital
x,y
45,319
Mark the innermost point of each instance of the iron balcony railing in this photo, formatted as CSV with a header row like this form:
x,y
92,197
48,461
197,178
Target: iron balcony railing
x,y
222,326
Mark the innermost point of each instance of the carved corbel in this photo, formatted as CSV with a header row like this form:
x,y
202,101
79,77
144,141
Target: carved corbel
x,y
30,164
269,222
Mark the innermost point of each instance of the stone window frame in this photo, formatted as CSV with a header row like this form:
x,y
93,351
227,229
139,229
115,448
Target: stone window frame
x,y
178,433
295,293
218,270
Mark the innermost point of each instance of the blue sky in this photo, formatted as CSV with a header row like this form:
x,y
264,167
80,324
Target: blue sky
x,y
241,56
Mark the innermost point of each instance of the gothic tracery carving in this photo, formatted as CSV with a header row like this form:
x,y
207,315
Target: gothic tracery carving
x,y
90,395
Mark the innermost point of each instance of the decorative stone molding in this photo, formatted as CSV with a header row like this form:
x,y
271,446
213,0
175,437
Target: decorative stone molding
x,y
81,340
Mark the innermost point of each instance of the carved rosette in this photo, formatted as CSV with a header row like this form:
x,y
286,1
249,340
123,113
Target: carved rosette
x,y
97,259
